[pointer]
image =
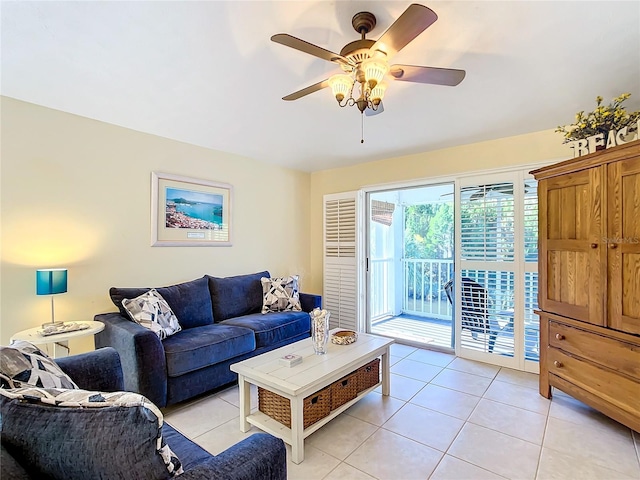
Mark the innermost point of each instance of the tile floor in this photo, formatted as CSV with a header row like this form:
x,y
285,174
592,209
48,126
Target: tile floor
x,y
446,418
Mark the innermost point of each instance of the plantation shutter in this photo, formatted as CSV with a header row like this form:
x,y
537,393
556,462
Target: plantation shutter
x,y
531,320
342,292
498,254
487,226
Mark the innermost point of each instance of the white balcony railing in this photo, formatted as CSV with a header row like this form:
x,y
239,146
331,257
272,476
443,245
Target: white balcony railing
x,y
381,287
424,281
421,287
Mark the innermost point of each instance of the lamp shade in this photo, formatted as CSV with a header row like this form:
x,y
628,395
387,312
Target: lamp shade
x,y
51,281
374,70
377,94
341,85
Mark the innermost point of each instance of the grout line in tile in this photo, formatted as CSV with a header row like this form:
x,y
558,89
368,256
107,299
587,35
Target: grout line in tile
x,y
501,432
449,367
366,438
515,383
535,389
471,373
452,389
429,363
544,436
594,462
444,413
468,420
333,469
509,404
478,466
416,379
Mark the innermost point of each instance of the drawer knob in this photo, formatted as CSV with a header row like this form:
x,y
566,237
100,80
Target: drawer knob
x,y
613,246
557,363
559,336
594,245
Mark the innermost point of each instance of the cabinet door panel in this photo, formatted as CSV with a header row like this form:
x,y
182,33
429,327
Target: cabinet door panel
x,y
571,236
623,243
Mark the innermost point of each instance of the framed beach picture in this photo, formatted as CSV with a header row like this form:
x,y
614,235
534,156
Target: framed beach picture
x,y
189,212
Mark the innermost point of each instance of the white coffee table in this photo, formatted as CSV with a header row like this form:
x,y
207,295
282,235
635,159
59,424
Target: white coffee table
x,y
60,341
296,383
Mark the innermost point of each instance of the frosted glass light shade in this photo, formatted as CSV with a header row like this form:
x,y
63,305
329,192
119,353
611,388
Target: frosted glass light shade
x,y
341,85
377,94
51,281
374,71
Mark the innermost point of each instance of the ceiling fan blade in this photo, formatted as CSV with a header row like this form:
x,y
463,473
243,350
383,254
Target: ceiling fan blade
x,y
306,91
306,47
370,113
413,21
432,75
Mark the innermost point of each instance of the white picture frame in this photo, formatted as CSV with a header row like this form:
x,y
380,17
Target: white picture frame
x,y
189,212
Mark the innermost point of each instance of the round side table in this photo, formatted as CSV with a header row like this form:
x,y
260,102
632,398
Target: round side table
x,y
60,341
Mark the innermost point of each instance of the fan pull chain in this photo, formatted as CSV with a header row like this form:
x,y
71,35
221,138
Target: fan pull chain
x,y
362,128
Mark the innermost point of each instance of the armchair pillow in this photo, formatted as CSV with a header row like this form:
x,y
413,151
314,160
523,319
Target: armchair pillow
x,y
23,364
78,434
280,294
153,312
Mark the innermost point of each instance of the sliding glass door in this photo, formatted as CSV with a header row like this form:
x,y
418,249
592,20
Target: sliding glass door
x,y
409,262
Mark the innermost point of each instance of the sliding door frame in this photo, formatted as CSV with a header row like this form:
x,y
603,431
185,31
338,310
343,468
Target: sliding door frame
x,y
517,361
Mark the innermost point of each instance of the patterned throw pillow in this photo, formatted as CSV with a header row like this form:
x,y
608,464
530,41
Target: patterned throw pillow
x,y
22,364
280,294
153,312
75,426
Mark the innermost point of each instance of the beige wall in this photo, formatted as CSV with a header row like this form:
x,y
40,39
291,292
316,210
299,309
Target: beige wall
x,y
532,148
75,193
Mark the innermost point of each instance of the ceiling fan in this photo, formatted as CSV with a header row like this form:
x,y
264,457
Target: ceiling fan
x,y
365,62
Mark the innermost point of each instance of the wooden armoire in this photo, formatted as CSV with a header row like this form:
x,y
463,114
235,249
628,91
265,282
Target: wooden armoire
x,y
589,280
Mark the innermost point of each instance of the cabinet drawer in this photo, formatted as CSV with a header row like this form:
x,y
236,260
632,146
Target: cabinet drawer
x,y
609,352
615,389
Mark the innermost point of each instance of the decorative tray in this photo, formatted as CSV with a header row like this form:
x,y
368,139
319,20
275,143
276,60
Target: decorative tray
x,y
344,337
65,328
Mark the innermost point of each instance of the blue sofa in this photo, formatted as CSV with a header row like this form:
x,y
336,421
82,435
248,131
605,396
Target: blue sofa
x,y
221,325
260,456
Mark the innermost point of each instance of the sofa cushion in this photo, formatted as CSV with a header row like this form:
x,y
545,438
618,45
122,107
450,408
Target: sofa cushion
x,y
200,347
153,312
273,328
78,434
280,294
190,301
236,296
23,364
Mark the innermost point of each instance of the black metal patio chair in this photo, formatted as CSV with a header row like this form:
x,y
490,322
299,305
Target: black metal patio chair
x,y
475,310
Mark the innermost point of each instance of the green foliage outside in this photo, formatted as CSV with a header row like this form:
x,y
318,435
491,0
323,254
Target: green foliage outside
x,y
428,231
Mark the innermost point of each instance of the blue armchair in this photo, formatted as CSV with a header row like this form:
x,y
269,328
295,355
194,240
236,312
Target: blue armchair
x,y
261,456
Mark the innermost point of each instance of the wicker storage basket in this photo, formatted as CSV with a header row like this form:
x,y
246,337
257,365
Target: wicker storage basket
x,y
315,407
368,375
344,390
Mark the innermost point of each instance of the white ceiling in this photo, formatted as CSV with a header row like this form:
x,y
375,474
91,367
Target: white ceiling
x,y
206,72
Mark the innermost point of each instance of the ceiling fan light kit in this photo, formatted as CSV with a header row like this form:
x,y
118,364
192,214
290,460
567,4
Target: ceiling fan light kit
x,y
365,62
368,75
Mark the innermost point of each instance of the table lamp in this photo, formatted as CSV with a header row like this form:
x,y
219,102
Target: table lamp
x,y
51,281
